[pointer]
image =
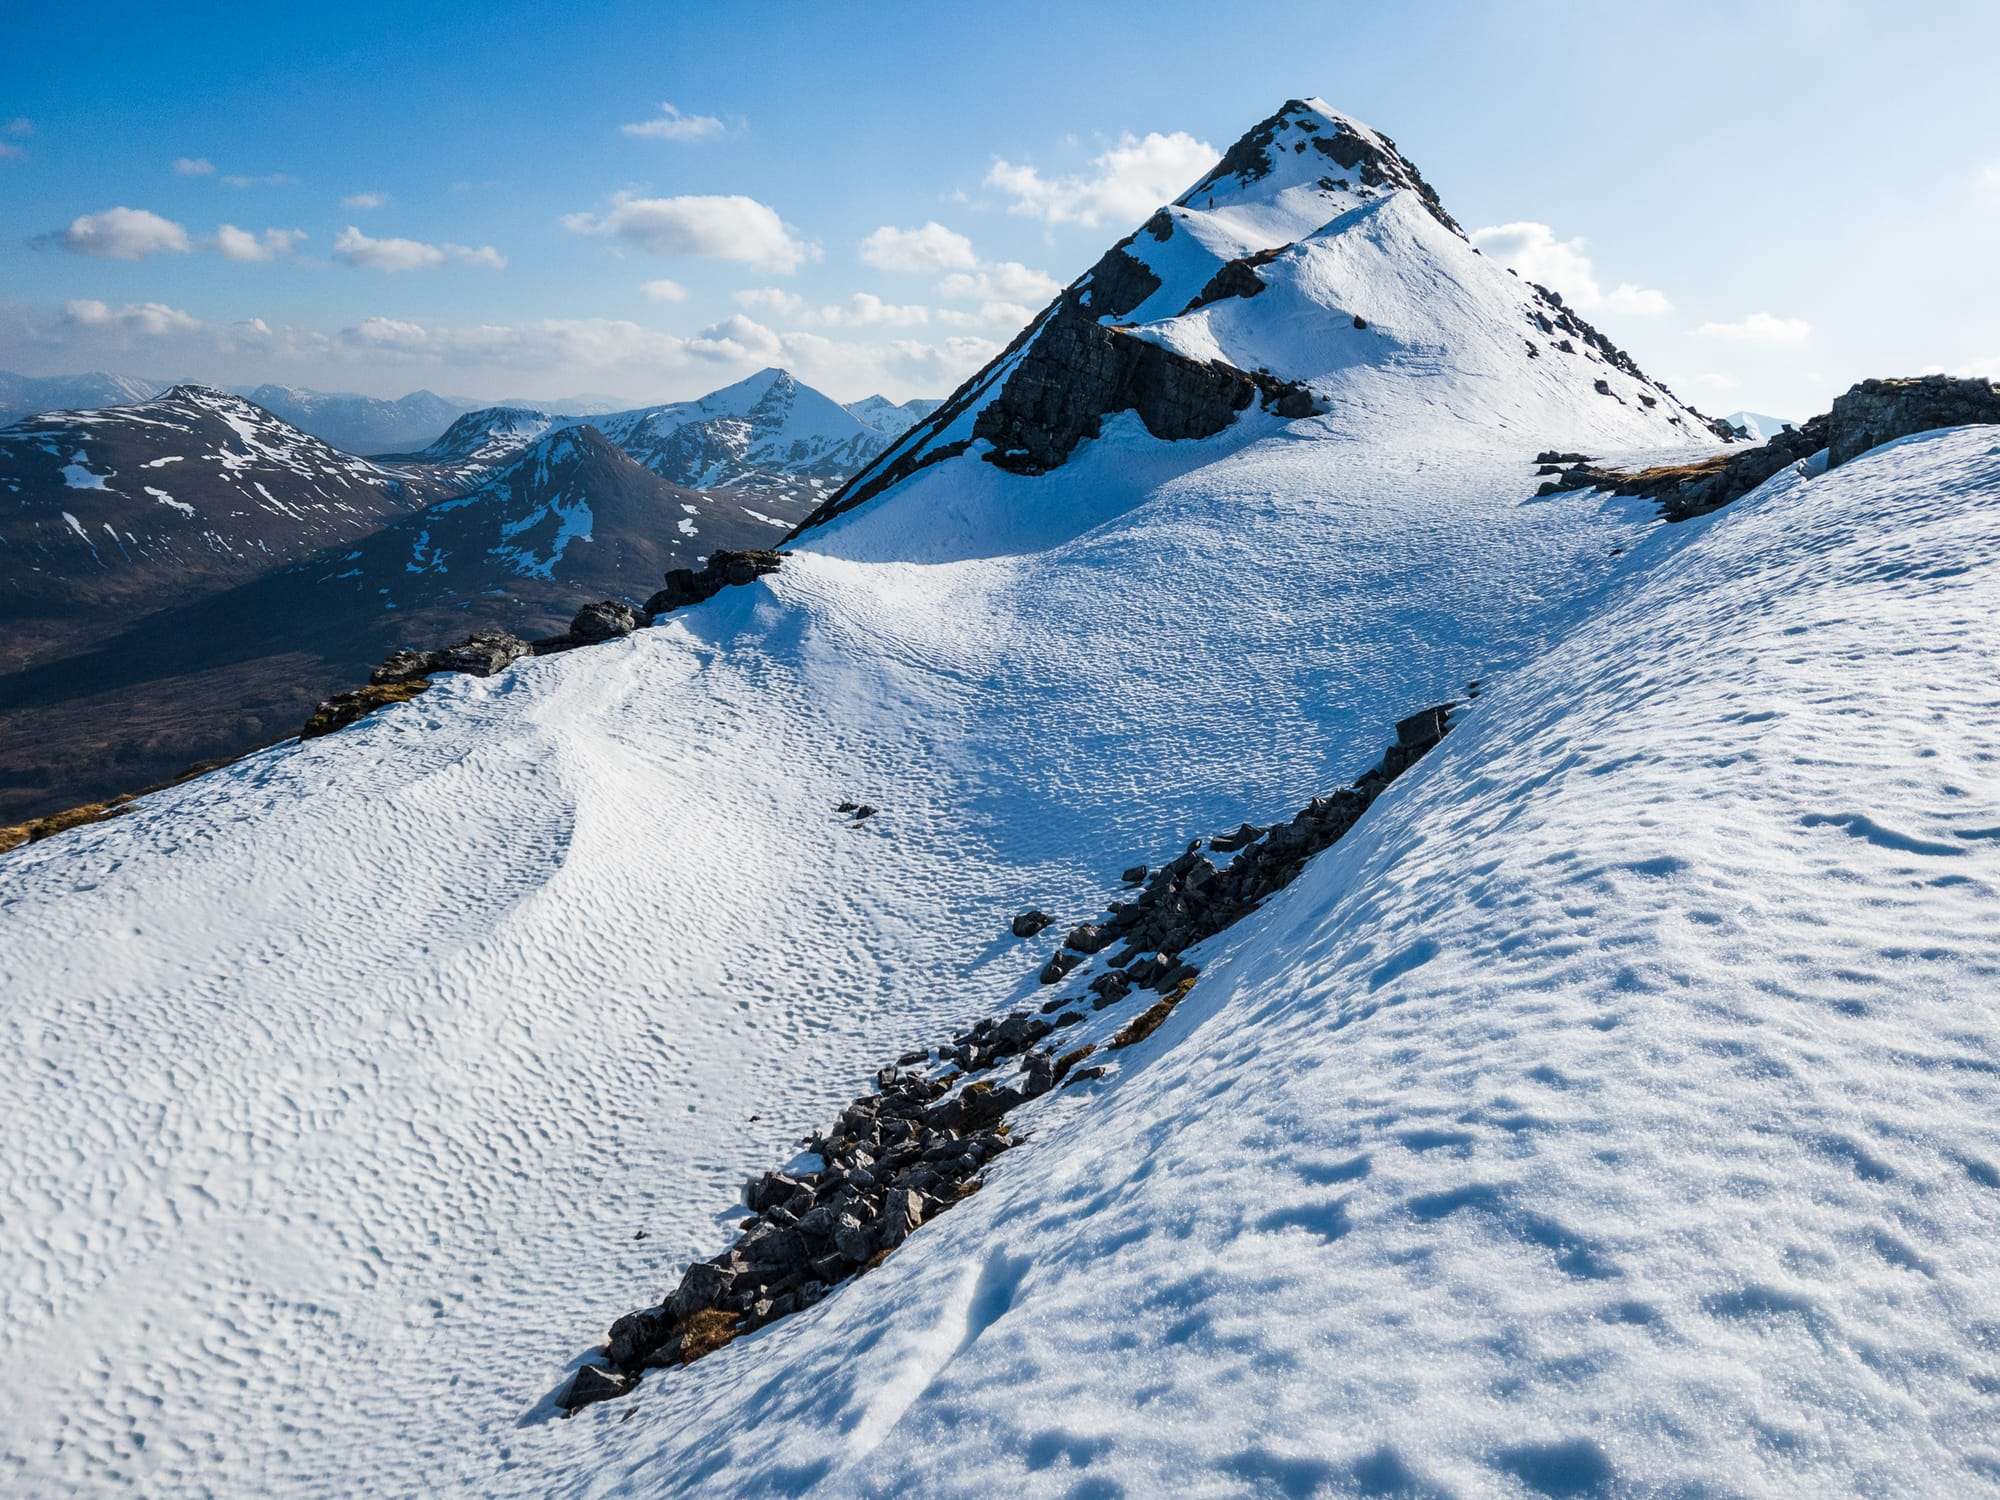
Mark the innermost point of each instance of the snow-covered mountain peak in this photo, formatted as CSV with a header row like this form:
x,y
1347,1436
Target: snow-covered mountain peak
x,y
1310,154
1311,282
488,435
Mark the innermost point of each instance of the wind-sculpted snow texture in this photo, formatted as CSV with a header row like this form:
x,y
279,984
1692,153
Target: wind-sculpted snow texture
x,y
1610,1110
1615,1113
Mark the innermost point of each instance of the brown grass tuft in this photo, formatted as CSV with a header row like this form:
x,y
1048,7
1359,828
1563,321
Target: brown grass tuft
x,y
1145,1024
706,1332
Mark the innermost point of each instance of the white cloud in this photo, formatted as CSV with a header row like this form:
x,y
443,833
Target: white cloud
x,y
1992,175
151,318
1125,184
1005,281
987,315
672,125
269,179
931,247
1759,328
194,166
729,227
20,125
772,301
236,244
864,309
1564,267
124,234
9,149
358,249
899,368
365,200
663,290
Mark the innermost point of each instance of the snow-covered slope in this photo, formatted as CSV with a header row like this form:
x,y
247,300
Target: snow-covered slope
x,y
191,484
482,440
1758,425
891,418
1611,1110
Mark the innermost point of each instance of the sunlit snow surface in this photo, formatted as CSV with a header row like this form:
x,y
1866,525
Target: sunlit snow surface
x,y
1617,1100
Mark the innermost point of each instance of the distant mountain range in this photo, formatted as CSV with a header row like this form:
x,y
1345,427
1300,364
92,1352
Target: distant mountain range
x,y
183,575
370,425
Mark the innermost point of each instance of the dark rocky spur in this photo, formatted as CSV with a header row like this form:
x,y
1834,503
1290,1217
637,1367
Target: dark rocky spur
x,y
1868,415
918,1145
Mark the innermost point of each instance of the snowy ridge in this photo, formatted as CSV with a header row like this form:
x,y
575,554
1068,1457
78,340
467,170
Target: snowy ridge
x,y
485,438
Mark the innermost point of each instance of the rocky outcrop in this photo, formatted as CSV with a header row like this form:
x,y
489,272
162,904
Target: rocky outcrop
x,y
343,709
1870,414
1079,372
918,1145
723,570
605,620
1879,411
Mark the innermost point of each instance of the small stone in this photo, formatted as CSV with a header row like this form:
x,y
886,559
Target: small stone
x,y
1134,875
1054,971
1030,922
593,1383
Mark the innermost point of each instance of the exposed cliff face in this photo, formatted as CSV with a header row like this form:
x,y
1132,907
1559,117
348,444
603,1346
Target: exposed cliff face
x,y
1079,372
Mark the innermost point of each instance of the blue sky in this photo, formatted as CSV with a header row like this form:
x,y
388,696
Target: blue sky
x,y
1763,203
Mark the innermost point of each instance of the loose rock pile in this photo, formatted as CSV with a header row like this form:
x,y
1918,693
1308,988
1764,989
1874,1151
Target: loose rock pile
x,y
917,1146
406,673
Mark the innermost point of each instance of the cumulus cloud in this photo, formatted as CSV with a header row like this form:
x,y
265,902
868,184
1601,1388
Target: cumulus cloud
x,y
1005,281
194,166
1759,328
364,200
928,248
153,319
1012,314
1124,184
661,289
1563,266
722,227
269,179
358,249
862,310
672,125
236,244
772,301
898,368
124,234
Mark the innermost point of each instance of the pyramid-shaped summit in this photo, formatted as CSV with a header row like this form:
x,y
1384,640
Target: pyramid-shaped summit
x,y
1311,276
